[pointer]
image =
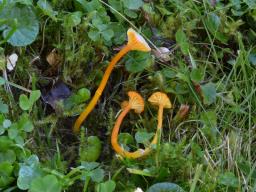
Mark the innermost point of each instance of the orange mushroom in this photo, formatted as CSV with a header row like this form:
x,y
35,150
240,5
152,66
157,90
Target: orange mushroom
x,y
162,101
136,102
135,42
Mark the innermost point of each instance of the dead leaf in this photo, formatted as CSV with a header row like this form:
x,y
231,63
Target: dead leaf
x,y
59,92
53,58
162,53
11,61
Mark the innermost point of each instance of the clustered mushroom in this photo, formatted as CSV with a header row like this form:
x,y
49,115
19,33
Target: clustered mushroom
x,y
136,103
162,101
135,42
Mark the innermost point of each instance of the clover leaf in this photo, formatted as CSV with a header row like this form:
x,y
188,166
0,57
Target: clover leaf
x,y
48,183
21,25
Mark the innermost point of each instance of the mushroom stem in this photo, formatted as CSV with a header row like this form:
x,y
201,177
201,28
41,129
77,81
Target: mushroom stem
x,y
100,89
140,152
115,131
135,103
159,124
114,139
135,42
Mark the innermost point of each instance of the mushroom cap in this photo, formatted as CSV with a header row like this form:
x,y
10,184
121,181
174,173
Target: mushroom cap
x,y
136,101
159,98
136,41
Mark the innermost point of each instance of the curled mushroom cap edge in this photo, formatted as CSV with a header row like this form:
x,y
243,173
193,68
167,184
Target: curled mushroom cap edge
x,y
159,98
136,101
136,41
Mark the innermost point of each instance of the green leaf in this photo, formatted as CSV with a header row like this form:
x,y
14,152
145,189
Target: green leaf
x,y
228,179
182,41
209,93
83,94
72,19
91,149
3,107
252,58
143,137
125,138
138,61
25,2
28,172
236,4
120,33
94,35
23,22
251,3
19,140
7,123
5,143
32,160
116,5
165,187
24,102
2,130
133,4
26,175
25,123
97,175
6,169
13,132
88,166
130,13
34,96
90,6
197,75
209,118
182,76
8,156
108,186
168,73
48,183
2,81
47,9
108,34
28,126
213,24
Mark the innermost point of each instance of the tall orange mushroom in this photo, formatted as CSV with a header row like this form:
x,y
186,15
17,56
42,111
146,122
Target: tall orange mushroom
x,y
162,101
135,42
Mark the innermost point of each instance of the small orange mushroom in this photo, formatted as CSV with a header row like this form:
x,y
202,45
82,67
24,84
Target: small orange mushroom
x,y
136,102
162,101
135,42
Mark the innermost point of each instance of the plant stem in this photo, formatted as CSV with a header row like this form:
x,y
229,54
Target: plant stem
x,y
86,183
196,177
17,86
117,173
